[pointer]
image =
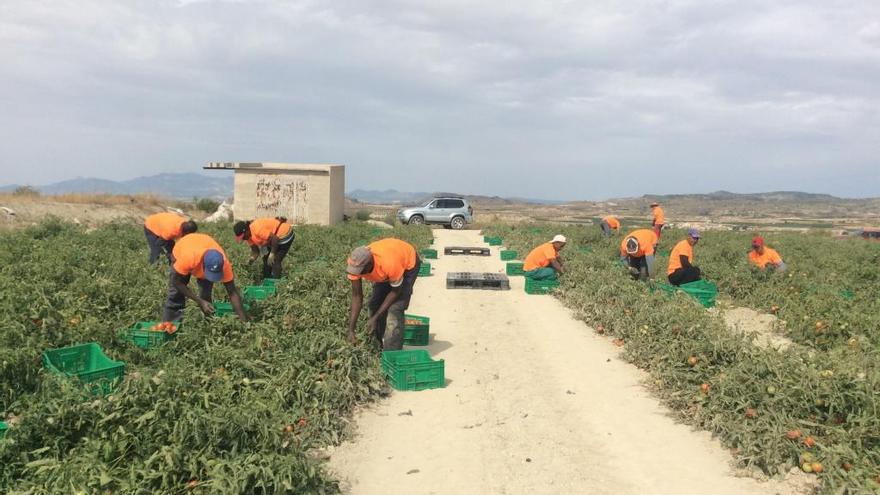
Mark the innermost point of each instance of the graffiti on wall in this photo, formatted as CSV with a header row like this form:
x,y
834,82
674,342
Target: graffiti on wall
x,y
282,196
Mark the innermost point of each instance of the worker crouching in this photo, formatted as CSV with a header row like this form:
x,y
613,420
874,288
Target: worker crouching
x,y
544,262
637,251
681,269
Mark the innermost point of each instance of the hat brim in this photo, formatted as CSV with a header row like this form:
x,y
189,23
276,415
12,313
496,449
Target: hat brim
x,y
354,270
213,276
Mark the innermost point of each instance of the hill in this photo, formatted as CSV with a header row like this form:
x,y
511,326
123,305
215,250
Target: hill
x,y
172,185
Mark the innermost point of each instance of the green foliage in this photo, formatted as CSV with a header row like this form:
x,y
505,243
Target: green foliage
x,y
826,386
362,215
25,191
208,205
228,406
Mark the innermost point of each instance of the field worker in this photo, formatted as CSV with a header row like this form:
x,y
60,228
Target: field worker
x,y
199,255
162,229
763,256
544,262
659,218
271,237
681,269
393,267
608,224
637,250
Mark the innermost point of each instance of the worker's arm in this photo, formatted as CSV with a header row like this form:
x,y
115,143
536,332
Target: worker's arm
x,y
781,267
235,299
273,243
685,262
357,302
555,263
649,261
255,253
183,288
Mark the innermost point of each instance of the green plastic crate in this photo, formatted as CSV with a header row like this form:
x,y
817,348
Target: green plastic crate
x,y
429,254
515,268
88,363
494,241
257,292
141,335
413,370
416,330
271,282
222,308
425,270
540,286
702,290
508,254
847,294
3,429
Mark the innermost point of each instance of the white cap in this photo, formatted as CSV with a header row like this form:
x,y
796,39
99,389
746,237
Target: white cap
x,y
559,238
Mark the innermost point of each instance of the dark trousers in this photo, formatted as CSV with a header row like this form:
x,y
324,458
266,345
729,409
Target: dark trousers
x,y
158,246
640,267
391,323
176,301
684,275
274,271
606,229
658,229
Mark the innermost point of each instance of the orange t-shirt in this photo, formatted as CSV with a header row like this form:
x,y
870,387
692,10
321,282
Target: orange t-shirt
x,y
165,225
188,254
263,228
682,248
540,257
659,216
647,239
770,256
391,258
612,222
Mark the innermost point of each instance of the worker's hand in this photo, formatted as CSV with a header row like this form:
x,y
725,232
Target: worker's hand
x,y
207,308
371,325
271,259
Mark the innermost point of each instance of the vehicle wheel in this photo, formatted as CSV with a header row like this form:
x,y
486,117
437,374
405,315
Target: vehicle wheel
x,y
416,220
457,223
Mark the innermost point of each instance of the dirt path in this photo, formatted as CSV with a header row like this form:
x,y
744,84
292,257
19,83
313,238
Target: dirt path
x,y
535,403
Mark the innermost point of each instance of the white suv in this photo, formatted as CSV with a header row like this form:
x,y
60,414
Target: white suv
x,y
451,212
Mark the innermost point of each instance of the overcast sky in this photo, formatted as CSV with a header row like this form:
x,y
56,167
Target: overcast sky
x,y
557,99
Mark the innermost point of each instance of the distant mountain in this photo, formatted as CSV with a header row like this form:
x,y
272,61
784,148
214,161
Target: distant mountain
x,y
181,186
765,196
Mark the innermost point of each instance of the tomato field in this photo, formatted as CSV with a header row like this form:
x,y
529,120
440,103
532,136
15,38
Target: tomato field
x,y
225,407
813,407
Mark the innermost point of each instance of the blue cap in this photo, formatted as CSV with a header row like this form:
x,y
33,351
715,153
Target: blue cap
x,y
213,262
694,233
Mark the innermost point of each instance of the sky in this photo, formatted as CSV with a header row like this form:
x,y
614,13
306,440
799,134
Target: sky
x,y
537,99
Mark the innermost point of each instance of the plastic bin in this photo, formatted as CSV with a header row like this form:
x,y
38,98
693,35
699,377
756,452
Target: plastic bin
x,y
257,292
413,370
540,286
88,363
223,308
508,254
702,290
428,254
425,270
416,329
515,268
494,241
142,335
271,282
3,429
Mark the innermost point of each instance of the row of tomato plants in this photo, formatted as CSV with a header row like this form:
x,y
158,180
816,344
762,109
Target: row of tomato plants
x,y
226,407
815,409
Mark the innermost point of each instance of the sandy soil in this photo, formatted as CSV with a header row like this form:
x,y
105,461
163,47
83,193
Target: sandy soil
x,y
758,327
534,403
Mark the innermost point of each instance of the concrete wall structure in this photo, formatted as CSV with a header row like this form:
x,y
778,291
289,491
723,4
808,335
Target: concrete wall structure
x,y
304,193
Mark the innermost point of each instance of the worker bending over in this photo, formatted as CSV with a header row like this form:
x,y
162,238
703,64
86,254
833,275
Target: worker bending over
x,y
763,257
681,268
637,250
201,256
271,237
393,267
544,262
659,218
608,224
162,230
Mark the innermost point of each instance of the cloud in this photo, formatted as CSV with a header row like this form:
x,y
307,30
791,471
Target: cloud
x,y
554,99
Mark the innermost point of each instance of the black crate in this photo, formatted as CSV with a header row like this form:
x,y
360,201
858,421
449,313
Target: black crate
x,y
472,280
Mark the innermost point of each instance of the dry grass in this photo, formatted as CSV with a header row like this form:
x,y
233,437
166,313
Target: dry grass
x,y
95,199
